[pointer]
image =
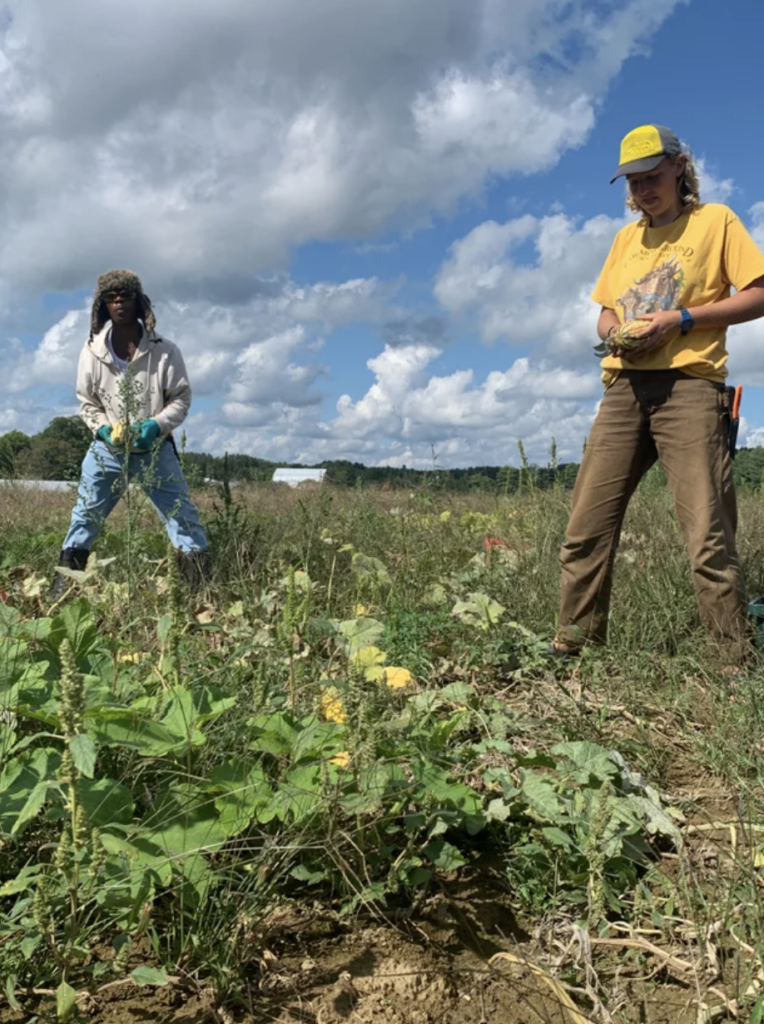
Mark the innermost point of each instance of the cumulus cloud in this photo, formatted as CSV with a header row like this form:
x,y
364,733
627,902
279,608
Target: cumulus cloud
x,y
745,342
201,142
524,401
265,377
218,341
544,302
757,216
408,410
712,188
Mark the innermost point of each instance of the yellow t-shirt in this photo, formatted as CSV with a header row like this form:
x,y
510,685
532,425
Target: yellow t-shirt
x,y
693,261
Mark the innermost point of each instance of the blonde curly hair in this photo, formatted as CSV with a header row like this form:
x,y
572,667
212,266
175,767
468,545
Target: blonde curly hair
x,y
689,186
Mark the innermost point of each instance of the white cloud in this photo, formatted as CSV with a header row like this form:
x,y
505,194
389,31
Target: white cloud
x,y
218,342
30,415
712,188
543,303
408,410
265,378
745,342
757,216
200,142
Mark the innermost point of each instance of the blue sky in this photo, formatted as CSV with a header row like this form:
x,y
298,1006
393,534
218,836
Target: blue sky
x,y
371,230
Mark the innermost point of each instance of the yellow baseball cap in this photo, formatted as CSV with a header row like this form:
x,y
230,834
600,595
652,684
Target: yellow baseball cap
x,y
644,148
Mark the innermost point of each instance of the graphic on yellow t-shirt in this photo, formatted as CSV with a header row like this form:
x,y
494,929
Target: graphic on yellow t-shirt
x,y
694,261
659,289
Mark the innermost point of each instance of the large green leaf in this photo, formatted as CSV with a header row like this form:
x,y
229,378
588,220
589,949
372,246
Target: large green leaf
x,y
32,807
84,753
33,629
358,633
585,759
8,737
243,791
10,617
445,791
316,739
540,794
23,880
138,854
273,734
149,976
23,787
180,718
185,712
66,1001
38,693
184,821
13,661
374,784
114,727
211,704
479,610
106,802
193,879
371,570
444,855
75,623
296,798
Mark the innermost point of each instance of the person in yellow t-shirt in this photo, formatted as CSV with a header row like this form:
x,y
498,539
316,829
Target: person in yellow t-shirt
x,y
665,400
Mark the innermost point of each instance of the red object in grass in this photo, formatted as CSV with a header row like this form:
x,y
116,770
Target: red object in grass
x,y
3,597
494,542
497,542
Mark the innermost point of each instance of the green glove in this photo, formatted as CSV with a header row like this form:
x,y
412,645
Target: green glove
x,y
148,432
104,434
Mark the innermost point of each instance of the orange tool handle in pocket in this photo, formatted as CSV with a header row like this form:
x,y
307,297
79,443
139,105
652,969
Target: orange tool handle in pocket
x,y
736,403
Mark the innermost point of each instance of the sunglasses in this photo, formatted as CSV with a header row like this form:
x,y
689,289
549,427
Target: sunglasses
x,y
124,293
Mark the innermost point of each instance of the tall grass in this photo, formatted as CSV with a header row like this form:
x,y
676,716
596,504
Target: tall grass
x,y
656,693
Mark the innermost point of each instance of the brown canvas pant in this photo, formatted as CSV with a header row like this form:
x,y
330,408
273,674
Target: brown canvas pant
x,y
684,422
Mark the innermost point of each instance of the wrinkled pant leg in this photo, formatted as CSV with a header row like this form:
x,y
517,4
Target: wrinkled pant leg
x,y
691,432
100,488
161,477
619,451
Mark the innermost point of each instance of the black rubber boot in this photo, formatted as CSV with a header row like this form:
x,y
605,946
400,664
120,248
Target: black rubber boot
x,y
69,558
196,566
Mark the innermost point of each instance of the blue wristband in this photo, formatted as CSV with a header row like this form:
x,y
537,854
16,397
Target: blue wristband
x,y
687,322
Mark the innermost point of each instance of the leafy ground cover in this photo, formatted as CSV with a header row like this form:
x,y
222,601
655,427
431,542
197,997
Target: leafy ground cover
x,y
346,782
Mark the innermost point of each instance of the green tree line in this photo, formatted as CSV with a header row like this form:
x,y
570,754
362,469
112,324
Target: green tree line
x,y
56,453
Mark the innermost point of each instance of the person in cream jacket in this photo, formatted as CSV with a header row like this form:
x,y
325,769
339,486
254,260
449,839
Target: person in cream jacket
x,y
134,391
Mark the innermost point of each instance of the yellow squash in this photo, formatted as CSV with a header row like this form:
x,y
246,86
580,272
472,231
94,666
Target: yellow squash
x,y
119,433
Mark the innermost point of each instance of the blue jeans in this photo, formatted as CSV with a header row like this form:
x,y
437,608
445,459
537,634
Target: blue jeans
x,y
159,474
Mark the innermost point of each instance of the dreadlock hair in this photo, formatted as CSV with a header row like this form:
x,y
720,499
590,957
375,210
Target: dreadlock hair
x,y
112,280
689,188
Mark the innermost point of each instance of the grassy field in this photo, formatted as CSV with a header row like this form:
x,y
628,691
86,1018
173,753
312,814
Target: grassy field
x,y
346,782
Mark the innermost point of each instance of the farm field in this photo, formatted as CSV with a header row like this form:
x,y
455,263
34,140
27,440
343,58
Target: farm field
x,y
346,783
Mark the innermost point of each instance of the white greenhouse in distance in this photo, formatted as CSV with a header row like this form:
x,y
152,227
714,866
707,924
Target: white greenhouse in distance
x,y
295,477
40,485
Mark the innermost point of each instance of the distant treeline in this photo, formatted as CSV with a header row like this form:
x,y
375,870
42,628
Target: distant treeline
x,y
354,474
56,453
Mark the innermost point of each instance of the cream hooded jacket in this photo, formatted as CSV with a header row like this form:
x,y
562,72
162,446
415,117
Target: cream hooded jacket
x,y
160,383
